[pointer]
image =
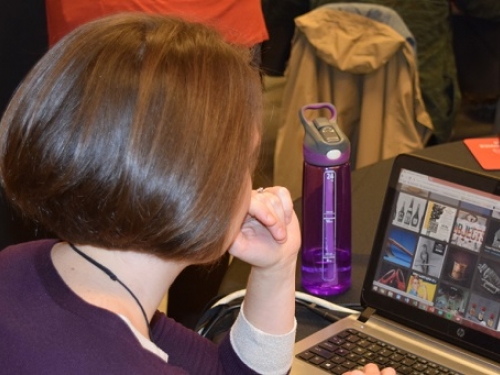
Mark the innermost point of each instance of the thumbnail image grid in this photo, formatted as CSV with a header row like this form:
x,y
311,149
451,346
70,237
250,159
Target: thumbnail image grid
x,y
448,257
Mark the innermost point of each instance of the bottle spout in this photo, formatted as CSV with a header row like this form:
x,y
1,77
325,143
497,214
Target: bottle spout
x,y
324,143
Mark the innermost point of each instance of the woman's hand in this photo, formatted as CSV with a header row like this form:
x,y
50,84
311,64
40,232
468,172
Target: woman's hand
x,y
371,369
270,235
269,240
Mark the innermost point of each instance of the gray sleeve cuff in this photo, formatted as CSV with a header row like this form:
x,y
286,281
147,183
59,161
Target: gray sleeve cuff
x,y
264,353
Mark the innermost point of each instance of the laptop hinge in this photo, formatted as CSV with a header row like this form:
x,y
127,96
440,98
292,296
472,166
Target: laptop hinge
x,y
365,314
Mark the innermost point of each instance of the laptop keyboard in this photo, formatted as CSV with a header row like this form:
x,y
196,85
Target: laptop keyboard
x,y
352,349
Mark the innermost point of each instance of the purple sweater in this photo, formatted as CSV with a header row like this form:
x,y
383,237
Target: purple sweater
x,y
45,328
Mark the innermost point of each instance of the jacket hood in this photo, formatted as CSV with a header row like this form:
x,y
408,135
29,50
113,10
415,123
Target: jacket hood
x,y
348,41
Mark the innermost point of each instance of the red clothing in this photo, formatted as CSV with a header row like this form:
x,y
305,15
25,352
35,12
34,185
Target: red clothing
x,y
240,21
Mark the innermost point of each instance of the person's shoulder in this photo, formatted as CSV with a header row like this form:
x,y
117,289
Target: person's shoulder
x,y
170,335
31,246
163,325
16,255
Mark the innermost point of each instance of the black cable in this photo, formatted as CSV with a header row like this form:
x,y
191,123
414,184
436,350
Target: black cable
x,y
353,306
322,312
113,277
204,329
216,314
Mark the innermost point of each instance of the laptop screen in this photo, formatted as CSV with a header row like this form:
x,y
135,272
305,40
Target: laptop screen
x,y
436,257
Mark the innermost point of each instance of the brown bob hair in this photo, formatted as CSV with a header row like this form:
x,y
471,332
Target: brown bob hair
x,y
135,132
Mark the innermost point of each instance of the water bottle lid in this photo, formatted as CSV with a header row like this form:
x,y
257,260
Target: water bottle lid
x,y
324,143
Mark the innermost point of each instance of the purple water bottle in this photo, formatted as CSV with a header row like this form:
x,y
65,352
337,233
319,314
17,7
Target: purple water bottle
x,y
326,205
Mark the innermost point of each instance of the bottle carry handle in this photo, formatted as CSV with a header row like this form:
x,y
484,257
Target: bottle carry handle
x,y
316,106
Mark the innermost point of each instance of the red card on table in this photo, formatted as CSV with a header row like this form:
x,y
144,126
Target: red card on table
x,y
486,151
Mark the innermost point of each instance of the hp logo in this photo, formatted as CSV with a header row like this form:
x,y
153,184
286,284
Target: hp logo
x,y
461,332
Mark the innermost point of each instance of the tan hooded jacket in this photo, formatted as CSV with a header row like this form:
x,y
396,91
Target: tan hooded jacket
x,y
368,71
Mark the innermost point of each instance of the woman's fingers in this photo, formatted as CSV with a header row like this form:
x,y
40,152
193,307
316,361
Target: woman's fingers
x,y
274,209
372,369
286,201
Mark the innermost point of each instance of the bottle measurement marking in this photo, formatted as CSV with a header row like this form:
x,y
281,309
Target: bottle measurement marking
x,y
329,255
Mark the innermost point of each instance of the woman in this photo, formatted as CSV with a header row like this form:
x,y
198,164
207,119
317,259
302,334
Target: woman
x,y
134,140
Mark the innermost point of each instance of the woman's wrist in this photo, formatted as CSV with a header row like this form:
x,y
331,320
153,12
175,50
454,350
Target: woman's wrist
x,y
270,298
284,268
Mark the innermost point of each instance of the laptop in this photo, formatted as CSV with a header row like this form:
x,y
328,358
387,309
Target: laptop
x,y
432,288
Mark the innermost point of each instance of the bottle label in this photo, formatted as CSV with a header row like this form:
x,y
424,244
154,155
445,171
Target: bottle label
x,y
329,263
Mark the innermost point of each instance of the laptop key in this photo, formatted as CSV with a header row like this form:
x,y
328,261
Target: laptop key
x,y
306,355
329,346
408,361
342,351
339,370
349,364
364,343
374,348
359,350
337,359
336,340
419,367
322,352
353,356
353,338
345,334
362,361
327,365
405,370
385,353
396,357
349,346
370,356
381,360
317,360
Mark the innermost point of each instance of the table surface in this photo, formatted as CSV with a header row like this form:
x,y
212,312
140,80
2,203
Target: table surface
x,y
368,191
